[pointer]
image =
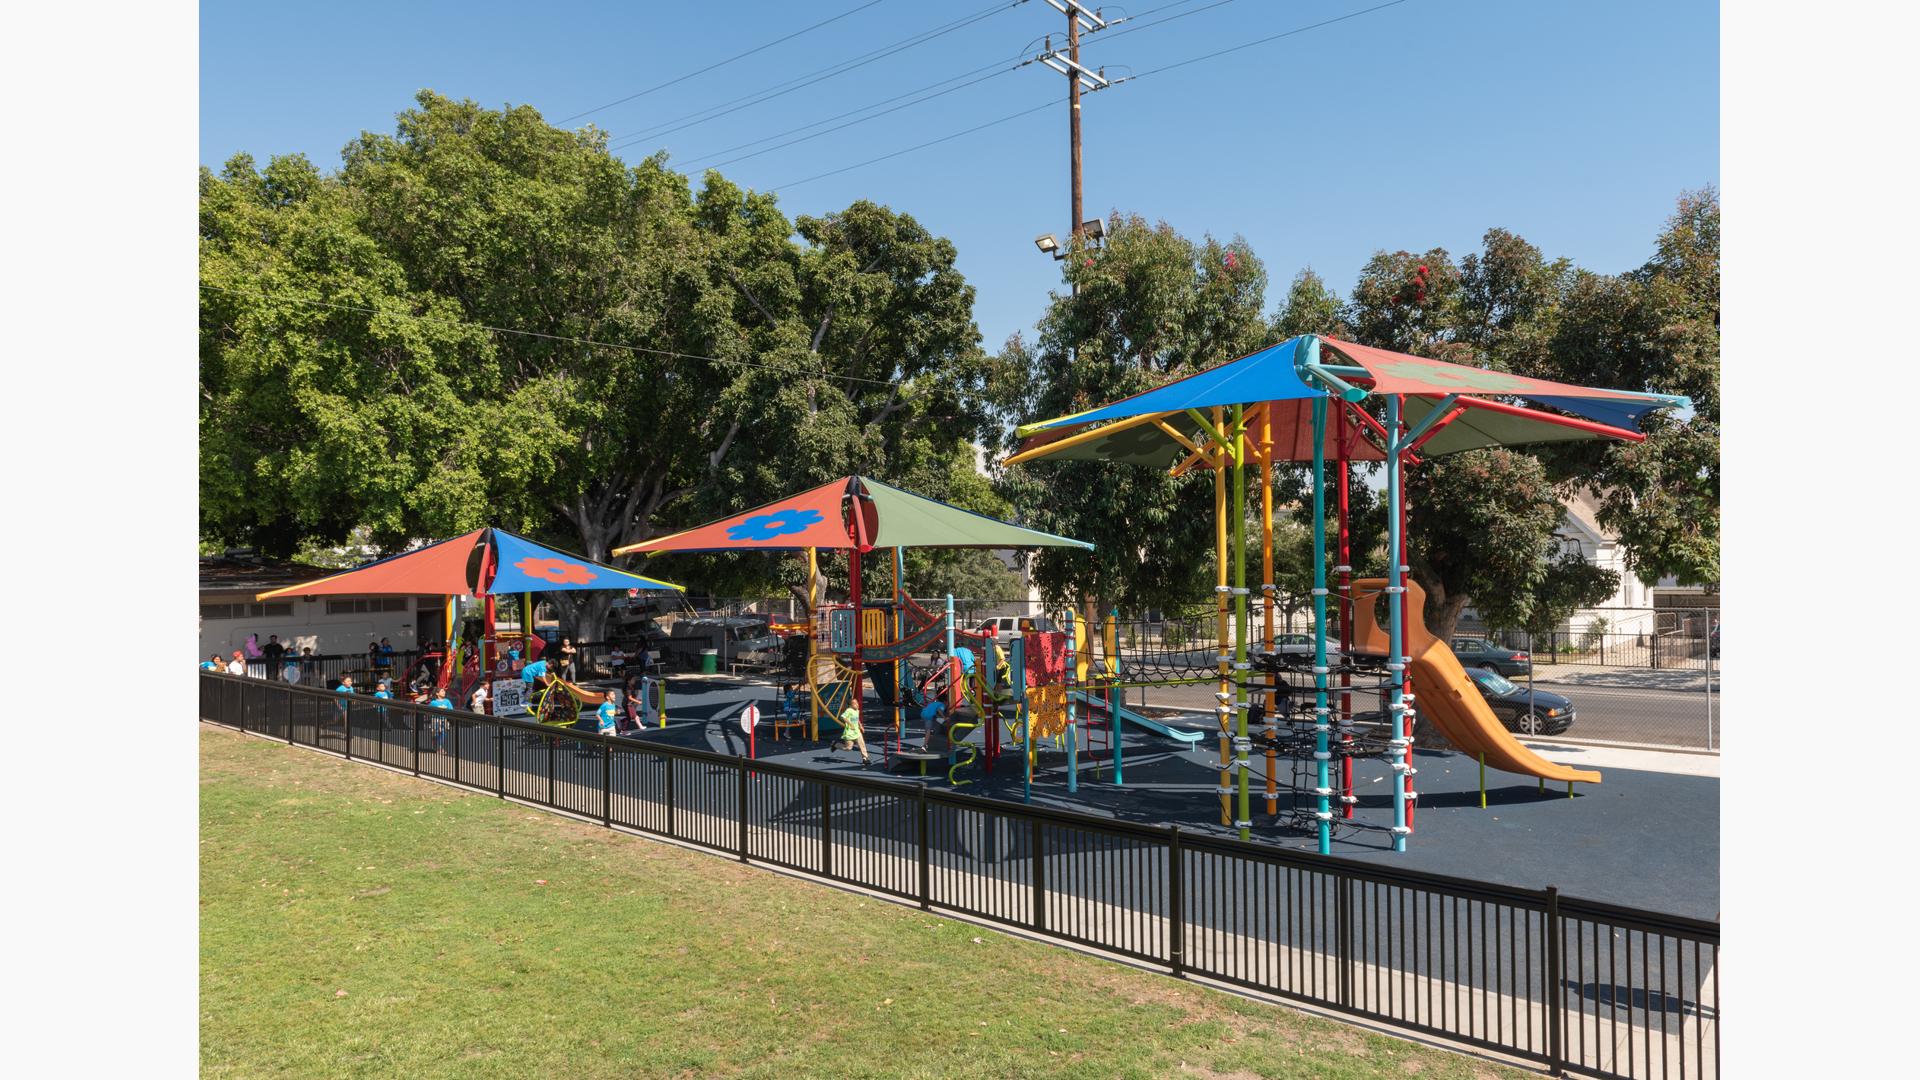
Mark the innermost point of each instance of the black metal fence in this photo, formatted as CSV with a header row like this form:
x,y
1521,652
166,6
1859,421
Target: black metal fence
x,y
1571,984
324,670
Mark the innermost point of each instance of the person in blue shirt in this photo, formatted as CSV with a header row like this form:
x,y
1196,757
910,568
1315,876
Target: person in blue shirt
x,y
608,715
383,690
345,690
534,673
212,663
439,723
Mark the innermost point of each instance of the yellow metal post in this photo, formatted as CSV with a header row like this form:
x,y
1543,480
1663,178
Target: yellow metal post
x,y
1223,594
1267,588
813,642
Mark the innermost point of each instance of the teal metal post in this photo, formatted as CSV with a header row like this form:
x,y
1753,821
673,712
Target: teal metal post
x,y
1114,698
1396,640
1322,751
1073,757
949,626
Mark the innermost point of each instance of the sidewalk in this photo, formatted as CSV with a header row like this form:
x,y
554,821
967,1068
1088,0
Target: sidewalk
x,y
1630,678
1625,757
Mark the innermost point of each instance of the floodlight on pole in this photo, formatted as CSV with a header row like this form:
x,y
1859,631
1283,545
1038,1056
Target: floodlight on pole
x,y
1048,245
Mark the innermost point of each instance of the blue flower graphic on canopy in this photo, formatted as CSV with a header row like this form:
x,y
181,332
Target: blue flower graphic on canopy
x,y
777,523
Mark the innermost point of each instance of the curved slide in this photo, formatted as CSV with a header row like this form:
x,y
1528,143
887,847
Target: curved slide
x,y
1445,694
1181,735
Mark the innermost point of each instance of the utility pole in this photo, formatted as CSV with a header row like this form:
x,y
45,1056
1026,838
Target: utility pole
x,y
1073,114
1080,80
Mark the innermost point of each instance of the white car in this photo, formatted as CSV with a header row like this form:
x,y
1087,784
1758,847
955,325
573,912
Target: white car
x,y
1299,645
1012,626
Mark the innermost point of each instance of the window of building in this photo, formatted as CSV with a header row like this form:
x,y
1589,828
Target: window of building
x,y
246,611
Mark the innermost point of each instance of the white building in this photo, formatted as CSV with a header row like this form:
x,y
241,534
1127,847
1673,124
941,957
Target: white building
x,y
1635,607
328,625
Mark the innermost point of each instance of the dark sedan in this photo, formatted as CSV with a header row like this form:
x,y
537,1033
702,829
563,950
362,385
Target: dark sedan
x,y
1523,711
1475,652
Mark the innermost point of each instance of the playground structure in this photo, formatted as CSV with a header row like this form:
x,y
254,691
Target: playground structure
x,y
1300,401
964,690
480,566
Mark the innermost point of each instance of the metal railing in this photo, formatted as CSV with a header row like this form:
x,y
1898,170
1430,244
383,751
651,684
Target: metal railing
x,y
325,669
1571,984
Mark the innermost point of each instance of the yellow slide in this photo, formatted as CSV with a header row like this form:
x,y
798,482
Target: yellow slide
x,y
1443,692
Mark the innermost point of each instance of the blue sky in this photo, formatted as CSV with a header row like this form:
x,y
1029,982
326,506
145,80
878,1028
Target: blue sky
x,y
1415,126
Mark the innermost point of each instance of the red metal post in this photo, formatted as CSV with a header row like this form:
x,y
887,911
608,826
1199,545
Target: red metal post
x,y
1345,608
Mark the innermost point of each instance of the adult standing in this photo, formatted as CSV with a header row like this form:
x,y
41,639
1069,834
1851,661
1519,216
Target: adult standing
x,y
273,651
567,653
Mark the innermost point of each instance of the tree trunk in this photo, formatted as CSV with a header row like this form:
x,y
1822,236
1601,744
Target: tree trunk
x,y
1443,610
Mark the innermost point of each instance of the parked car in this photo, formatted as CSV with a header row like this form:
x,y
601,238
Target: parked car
x,y
1300,645
736,638
1011,626
1522,711
1477,652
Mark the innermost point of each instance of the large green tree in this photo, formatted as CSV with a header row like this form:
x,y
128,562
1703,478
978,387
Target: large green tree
x,y
483,319
1146,305
1481,531
1154,306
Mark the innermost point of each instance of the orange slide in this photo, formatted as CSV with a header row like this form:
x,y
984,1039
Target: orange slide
x,y
1443,692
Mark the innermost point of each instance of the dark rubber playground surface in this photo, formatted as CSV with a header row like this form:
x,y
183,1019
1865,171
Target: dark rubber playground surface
x,y
1640,839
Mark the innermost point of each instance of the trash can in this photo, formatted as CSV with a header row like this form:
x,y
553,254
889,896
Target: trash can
x,y
709,661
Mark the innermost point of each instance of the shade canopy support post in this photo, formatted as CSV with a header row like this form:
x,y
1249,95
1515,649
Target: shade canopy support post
x,y
1322,744
1396,637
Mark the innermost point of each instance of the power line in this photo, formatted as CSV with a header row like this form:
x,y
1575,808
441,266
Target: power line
x,y
1166,67
801,82
911,149
862,120
861,109
1273,37
1157,22
667,353
722,63
630,140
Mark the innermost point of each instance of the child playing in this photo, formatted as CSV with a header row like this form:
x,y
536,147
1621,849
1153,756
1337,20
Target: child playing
x,y
438,724
383,691
608,715
851,734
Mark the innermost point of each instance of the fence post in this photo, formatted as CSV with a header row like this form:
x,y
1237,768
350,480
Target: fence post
x,y
1039,877
668,762
1557,999
606,785
1343,940
416,743
926,872
1176,903
552,745
291,698
740,766
346,724
826,829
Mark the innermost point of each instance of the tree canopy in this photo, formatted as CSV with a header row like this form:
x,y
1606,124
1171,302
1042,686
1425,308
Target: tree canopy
x,y
483,319
1482,525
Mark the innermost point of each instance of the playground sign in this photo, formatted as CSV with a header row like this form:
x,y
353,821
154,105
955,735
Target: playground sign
x,y
749,716
509,698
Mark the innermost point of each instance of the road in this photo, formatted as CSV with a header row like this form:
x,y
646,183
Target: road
x,y
1604,710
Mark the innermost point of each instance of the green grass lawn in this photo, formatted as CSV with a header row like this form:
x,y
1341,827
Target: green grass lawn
x,y
355,922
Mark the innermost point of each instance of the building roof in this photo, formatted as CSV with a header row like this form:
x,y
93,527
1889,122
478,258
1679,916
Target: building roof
x,y
247,573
